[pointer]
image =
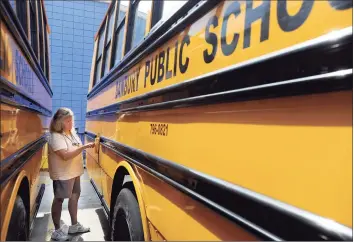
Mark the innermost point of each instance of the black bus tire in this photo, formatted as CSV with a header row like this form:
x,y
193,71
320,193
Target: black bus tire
x,y
126,221
18,227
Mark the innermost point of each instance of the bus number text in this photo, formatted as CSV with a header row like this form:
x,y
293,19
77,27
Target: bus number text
x,y
159,129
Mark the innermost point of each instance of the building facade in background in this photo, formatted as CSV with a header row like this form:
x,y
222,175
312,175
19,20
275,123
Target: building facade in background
x,y
73,25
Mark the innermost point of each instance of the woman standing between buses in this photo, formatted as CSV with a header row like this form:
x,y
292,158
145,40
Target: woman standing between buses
x,y
65,169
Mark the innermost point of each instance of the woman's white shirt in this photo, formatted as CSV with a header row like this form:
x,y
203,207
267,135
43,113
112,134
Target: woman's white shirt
x,y
60,169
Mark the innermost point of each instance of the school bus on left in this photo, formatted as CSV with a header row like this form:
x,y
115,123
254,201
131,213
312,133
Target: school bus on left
x,y
26,108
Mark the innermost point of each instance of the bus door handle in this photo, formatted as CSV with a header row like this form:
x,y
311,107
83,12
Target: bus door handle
x,y
97,143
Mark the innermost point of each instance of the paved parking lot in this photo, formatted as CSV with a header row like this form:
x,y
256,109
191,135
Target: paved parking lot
x,y
90,214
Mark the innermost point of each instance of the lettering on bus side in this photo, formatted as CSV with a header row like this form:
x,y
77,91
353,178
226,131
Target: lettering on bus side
x,y
159,68
171,61
287,22
341,5
24,74
127,85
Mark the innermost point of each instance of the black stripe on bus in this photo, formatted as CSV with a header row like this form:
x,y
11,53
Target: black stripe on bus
x,y
267,218
100,196
303,71
337,81
15,28
302,86
11,95
90,135
36,207
12,165
186,15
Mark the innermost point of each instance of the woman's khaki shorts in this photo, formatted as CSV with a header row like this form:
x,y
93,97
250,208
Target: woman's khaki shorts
x,y
65,188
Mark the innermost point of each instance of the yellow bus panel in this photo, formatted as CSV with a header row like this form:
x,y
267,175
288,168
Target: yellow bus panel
x,y
293,149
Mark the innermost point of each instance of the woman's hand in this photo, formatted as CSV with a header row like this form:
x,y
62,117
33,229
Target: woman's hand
x,y
67,155
89,145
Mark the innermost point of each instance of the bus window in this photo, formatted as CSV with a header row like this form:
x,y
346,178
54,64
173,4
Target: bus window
x,y
99,56
163,10
141,11
40,26
123,8
98,71
119,31
13,5
106,62
33,21
119,44
170,7
106,57
21,13
110,25
107,48
46,48
100,44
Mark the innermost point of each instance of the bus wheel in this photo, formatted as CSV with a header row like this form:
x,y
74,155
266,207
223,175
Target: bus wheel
x,y
18,227
126,222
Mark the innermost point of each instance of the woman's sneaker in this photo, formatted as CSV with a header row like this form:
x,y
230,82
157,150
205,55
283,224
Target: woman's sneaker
x,y
78,228
59,235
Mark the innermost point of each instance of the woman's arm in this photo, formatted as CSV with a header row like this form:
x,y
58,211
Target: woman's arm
x,y
68,155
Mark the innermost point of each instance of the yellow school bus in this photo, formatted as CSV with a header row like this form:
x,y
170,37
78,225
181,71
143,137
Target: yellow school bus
x,y
223,120
26,108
